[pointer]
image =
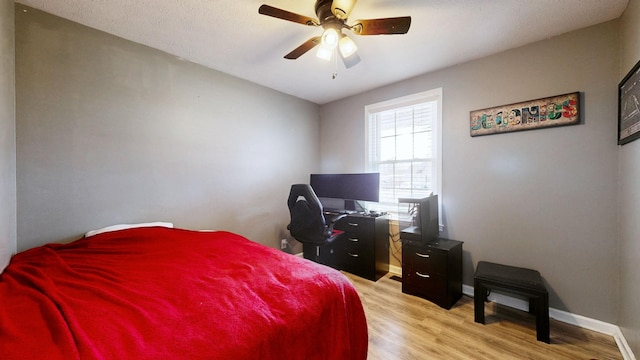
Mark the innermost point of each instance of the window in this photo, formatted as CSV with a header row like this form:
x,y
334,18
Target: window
x,y
404,145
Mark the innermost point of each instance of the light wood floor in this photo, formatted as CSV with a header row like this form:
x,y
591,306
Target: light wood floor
x,y
405,327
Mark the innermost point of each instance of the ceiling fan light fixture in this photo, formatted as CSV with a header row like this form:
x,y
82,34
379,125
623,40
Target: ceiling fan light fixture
x,y
324,53
351,61
342,8
330,38
347,47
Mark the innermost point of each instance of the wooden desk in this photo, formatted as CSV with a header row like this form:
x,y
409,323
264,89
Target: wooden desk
x,y
521,281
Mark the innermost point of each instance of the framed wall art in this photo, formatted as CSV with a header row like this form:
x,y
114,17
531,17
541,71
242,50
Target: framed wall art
x,y
629,106
547,112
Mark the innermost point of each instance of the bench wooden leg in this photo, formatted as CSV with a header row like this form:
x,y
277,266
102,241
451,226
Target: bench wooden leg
x,y
479,297
542,317
532,306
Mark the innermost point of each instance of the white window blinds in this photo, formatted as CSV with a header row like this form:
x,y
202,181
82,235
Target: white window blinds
x,y
403,144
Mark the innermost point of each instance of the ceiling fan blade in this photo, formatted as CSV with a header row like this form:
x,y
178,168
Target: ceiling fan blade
x,y
342,8
287,15
385,26
302,49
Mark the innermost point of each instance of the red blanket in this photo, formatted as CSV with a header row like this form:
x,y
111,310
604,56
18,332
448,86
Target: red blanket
x,y
159,293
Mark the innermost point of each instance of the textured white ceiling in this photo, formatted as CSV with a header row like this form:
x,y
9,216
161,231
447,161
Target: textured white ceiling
x,y
230,35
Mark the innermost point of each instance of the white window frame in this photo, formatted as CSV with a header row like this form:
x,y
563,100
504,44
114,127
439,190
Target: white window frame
x,y
425,96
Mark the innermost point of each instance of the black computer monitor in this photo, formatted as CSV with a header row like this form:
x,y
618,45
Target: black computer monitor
x,y
349,187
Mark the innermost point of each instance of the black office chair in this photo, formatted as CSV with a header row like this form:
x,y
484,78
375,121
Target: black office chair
x,y
308,224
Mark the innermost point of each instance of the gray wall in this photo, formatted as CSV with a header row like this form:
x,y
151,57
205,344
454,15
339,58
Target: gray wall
x,y
630,194
7,135
543,199
109,131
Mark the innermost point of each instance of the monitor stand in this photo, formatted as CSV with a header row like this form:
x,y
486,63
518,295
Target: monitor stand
x,y
350,205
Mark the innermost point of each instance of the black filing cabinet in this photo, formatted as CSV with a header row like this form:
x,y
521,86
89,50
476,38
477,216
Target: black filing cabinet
x,y
433,270
363,249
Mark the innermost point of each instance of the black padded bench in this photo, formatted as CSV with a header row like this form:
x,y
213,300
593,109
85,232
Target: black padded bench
x,y
520,281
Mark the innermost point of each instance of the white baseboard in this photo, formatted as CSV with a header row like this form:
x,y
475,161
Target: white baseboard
x,y
623,345
395,270
565,317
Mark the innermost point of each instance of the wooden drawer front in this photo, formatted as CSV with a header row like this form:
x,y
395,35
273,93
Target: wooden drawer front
x,y
353,244
358,263
354,258
421,283
427,261
360,228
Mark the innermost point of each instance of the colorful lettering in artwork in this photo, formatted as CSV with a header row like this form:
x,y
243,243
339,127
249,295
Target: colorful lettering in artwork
x,y
553,111
569,108
475,123
486,121
530,114
515,117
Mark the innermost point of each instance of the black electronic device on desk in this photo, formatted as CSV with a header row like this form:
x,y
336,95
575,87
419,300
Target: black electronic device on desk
x,y
418,219
374,214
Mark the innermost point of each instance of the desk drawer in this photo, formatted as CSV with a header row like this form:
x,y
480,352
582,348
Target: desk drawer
x,y
429,285
426,261
358,263
352,243
360,228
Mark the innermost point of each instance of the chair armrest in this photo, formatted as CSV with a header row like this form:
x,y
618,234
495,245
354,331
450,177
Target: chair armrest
x,y
331,223
336,218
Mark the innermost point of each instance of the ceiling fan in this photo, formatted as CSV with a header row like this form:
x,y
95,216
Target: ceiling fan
x,y
332,16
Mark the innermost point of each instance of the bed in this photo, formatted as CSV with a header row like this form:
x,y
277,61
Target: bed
x,y
163,293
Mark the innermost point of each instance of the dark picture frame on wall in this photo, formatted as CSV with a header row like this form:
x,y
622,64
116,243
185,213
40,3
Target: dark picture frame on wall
x,y
629,106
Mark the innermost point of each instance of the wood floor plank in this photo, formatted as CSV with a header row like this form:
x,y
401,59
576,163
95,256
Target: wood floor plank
x,y
403,326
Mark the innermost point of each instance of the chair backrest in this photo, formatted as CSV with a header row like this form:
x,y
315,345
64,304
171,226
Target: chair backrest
x,y
308,224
